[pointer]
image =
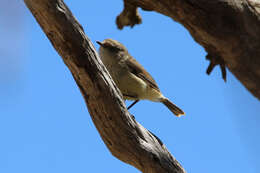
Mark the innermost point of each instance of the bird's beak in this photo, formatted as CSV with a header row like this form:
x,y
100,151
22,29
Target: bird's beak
x,y
100,43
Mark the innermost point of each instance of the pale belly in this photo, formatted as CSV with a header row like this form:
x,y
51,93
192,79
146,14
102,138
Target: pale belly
x,y
131,86
134,88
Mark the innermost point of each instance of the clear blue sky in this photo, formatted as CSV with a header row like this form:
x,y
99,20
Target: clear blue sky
x,y
44,123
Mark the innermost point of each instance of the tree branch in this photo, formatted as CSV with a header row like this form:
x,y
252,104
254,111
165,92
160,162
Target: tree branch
x,y
227,29
125,138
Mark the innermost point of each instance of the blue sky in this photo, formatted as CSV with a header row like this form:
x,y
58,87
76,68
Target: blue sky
x,y
45,125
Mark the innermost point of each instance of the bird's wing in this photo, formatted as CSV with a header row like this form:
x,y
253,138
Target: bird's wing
x,y
140,72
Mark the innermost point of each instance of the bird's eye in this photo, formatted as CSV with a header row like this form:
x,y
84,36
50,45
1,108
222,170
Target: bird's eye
x,y
114,49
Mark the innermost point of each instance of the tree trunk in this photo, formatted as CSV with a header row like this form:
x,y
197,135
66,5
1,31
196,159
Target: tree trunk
x,y
125,138
229,30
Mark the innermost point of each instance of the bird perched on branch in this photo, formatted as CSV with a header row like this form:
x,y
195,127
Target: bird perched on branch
x,y
132,79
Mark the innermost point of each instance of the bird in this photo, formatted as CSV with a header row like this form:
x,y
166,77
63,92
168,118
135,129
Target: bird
x,y
134,82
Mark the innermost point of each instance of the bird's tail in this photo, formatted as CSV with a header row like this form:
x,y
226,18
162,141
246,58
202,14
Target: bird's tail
x,y
172,107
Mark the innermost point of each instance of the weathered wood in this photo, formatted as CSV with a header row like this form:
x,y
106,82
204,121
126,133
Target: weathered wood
x,y
125,138
227,29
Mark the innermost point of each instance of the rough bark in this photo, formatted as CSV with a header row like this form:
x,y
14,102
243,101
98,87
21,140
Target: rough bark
x,y
229,30
125,138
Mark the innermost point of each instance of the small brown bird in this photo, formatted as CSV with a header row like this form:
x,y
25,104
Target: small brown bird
x,y
132,79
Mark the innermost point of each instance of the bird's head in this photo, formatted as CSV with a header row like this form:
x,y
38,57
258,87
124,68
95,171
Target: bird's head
x,y
111,46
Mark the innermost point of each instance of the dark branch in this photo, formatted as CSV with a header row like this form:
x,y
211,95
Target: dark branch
x,y
216,60
129,16
227,28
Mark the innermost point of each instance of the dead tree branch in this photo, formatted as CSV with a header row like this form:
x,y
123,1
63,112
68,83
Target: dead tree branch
x,y
125,138
229,30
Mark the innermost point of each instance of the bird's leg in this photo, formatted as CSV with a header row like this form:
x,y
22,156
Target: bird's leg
x,y
132,104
